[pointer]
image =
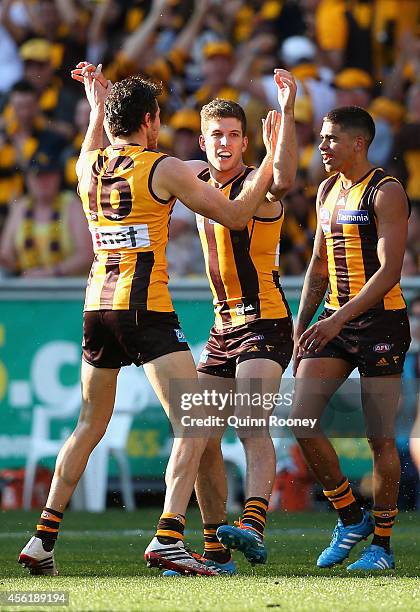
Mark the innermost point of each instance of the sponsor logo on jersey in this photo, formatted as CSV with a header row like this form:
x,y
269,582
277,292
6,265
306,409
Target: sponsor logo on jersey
x,y
127,237
253,349
353,217
382,347
382,362
180,335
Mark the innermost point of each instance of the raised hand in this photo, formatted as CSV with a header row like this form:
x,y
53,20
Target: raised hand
x,y
271,127
83,68
97,87
286,89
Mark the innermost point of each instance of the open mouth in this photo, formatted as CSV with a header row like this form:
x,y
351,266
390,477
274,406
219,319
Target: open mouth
x,y
326,158
224,155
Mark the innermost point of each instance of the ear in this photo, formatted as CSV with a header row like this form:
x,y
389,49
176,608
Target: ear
x,y
148,120
244,143
202,142
359,144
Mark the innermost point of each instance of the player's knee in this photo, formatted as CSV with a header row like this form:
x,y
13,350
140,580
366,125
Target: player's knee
x,y
93,430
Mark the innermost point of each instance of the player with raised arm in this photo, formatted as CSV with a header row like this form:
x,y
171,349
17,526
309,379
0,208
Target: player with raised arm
x,y
358,251
128,190
252,333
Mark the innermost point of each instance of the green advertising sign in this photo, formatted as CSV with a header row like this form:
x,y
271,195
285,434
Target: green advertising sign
x,y
40,353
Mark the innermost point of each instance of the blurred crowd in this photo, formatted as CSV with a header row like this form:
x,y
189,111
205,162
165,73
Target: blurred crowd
x,y
341,52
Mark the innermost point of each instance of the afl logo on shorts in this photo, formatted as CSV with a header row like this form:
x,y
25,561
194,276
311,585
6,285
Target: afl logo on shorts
x,y
180,335
325,219
382,348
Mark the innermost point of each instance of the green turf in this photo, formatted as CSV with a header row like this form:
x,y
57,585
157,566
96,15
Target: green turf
x,y
105,570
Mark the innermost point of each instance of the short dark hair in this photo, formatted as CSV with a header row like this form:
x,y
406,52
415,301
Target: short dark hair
x,y
129,102
353,118
219,109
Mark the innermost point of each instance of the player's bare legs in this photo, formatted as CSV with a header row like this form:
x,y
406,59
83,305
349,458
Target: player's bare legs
x,y
260,474
380,401
186,453
98,395
316,382
211,483
261,376
166,549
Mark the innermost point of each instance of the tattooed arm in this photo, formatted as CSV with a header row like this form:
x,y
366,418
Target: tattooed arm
x,y
314,288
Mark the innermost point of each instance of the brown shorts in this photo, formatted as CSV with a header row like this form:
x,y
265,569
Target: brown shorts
x,y
261,339
115,338
376,342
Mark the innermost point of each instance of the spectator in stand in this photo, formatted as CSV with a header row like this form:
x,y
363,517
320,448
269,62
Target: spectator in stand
x,y
363,34
140,54
71,153
62,22
297,236
185,124
45,234
405,158
22,134
55,100
184,248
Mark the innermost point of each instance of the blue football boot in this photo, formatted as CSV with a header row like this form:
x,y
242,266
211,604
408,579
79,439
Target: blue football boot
x,y
374,558
245,540
344,539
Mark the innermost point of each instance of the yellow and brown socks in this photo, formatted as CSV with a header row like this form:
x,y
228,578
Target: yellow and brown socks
x,y
255,515
213,549
170,528
343,500
48,526
384,522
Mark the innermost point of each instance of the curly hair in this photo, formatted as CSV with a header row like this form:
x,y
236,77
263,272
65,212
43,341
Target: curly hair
x,y
128,103
219,109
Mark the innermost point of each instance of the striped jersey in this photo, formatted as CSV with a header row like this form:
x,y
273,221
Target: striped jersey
x,y
129,226
242,265
348,221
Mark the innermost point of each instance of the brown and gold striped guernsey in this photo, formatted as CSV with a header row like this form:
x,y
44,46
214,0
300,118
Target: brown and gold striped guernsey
x,y
242,265
349,224
129,226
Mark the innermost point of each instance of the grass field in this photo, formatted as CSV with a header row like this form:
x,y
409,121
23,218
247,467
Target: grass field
x,y
100,558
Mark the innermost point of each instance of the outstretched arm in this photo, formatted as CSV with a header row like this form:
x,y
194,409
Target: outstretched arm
x,y
97,90
286,155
